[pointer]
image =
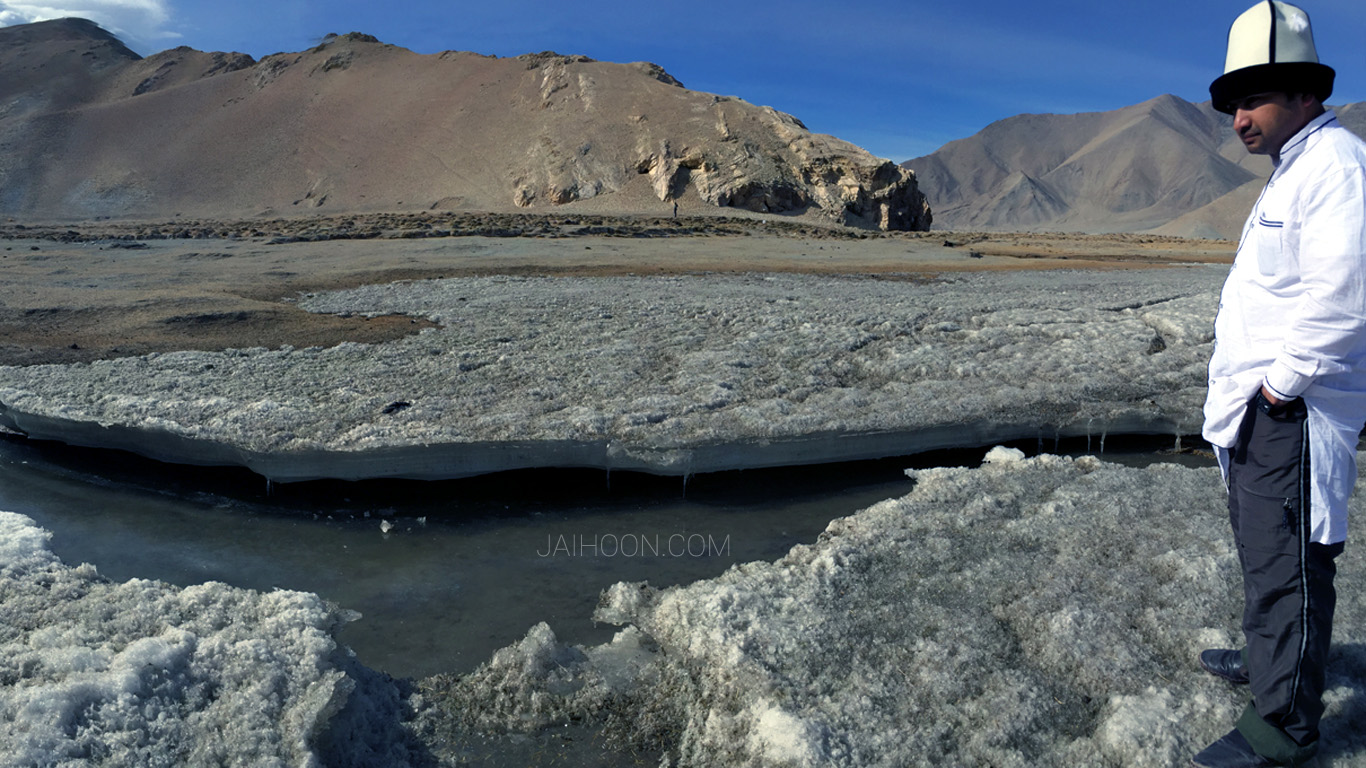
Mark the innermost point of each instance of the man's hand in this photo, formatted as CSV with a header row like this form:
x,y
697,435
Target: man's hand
x,y
1270,396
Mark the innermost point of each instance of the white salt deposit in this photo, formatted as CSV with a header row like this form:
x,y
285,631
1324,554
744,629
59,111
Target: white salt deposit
x,y
673,375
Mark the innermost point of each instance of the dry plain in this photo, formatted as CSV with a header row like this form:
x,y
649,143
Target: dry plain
x,y
103,290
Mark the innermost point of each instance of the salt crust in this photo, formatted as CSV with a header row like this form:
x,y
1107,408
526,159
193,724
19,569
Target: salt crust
x,y
673,375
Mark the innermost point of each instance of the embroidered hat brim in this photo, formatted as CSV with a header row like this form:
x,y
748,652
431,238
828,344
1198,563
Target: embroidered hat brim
x,y
1289,77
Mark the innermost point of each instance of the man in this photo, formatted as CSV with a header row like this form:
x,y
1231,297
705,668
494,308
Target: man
x,y
1287,384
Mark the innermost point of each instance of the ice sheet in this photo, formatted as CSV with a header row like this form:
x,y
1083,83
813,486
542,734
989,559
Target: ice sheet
x,y
1042,611
673,375
1031,612
143,673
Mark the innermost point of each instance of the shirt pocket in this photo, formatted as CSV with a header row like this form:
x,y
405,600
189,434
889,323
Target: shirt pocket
x,y
1267,239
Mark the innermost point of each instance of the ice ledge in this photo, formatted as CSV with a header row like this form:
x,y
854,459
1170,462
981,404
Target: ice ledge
x,y
444,461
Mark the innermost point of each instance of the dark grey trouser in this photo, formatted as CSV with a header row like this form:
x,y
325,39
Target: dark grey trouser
x,y
1287,581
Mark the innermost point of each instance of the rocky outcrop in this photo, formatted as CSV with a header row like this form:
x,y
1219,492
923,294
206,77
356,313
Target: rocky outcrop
x,y
354,125
795,172
184,64
720,150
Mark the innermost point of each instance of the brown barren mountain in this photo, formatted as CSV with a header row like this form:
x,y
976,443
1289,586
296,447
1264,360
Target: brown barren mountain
x,y
1165,166
90,130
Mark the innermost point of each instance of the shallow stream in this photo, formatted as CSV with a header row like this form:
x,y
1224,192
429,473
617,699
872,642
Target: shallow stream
x,y
444,574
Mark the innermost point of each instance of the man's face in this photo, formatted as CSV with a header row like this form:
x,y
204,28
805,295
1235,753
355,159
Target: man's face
x,y
1265,121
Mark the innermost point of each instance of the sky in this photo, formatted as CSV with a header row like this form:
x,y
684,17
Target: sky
x,y
899,78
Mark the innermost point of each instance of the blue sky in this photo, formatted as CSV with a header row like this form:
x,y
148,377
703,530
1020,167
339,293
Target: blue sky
x,y
897,78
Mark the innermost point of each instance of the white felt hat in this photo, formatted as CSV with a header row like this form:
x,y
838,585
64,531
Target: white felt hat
x,y
1271,49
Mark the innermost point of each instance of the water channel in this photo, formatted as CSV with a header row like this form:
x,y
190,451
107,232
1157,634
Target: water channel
x,y
444,574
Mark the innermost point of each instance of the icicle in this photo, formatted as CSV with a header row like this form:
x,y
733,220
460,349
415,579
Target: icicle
x,y
1103,433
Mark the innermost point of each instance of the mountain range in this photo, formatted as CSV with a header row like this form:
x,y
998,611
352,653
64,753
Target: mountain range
x,y
1165,166
89,129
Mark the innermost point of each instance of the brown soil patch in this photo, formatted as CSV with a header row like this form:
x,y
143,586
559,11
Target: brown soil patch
x,y
62,335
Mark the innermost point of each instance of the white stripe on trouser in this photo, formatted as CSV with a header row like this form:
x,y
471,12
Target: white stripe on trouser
x,y
1304,565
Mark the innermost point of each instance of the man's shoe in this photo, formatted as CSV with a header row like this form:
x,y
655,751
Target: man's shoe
x,y
1232,751
1224,663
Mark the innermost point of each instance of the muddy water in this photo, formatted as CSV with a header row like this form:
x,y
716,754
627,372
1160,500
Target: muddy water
x,y
443,574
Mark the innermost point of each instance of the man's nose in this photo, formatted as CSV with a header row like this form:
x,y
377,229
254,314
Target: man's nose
x,y
1241,120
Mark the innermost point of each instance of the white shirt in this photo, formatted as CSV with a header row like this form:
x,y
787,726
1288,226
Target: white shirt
x,y
1292,314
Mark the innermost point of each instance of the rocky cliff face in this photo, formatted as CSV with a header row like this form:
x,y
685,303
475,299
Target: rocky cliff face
x,y
357,125
786,169
719,150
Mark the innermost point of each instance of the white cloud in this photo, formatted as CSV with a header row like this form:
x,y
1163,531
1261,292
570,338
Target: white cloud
x,y
137,22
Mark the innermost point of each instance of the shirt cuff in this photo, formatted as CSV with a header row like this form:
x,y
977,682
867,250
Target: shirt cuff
x,y
1285,383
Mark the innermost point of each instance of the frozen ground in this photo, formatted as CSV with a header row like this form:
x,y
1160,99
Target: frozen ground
x,y
1026,613
146,674
673,375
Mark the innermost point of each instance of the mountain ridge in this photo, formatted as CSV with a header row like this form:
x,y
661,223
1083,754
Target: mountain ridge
x,y
1164,166
354,124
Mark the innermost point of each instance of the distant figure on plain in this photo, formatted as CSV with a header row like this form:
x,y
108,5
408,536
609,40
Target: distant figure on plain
x,y
1287,381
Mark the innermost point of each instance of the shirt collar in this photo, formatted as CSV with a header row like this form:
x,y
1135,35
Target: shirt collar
x,y
1295,146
